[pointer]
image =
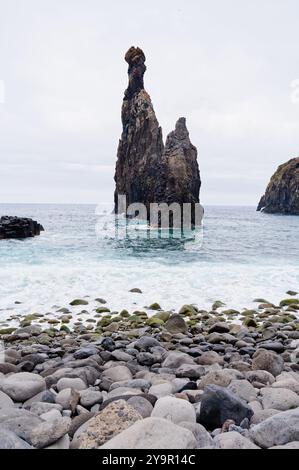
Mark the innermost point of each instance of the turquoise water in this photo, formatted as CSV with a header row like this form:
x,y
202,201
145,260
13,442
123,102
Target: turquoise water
x,y
241,254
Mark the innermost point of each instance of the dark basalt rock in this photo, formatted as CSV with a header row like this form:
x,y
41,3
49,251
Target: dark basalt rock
x,y
146,171
16,227
282,194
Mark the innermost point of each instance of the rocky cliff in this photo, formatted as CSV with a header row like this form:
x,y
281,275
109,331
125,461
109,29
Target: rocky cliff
x,y
282,193
146,171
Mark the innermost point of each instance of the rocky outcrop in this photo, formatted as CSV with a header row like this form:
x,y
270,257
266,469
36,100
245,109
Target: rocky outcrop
x,y
282,193
16,227
146,171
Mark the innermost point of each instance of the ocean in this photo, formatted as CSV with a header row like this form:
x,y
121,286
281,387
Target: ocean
x,y
239,255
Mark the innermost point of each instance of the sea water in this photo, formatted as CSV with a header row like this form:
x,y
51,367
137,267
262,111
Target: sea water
x,y
240,254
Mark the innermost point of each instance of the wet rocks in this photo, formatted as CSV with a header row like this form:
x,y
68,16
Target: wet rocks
x,y
176,324
219,404
16,227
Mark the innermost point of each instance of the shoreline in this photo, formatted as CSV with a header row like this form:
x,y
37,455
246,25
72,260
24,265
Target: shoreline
x,y
190,379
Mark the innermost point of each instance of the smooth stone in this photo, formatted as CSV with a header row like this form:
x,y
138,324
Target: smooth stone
x,y
243,389
290,384
256,406
261,376
121,356
22,386
146,343
85,352
175,359
190,371
68,399
134,383
279,429
162,389
89,397
117,374
219,404
290,445
62,443
51,416
19,421
49,432
219,327
39,408
114,419
261,415
122,391
76,384
281,399
209,358
176,324
222,377
141,405
174,409
201,435
9,440
5,401
153,433
233,440
269,361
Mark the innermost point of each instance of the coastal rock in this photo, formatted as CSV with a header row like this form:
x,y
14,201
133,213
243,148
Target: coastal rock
x,y
146,172
22,386
115,418
269,361
75,384
201,435
49,432
174,409
153,433
141,405
117,374
243,389
175,359
277,430
16,227
209,358
5,401
282,193
219,404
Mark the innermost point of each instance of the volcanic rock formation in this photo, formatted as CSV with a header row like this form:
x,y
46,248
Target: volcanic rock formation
x,y
146,171
282,193
16,227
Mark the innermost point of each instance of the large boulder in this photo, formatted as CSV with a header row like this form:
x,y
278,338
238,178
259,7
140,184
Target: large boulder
x,y
282,193
219,404
153,433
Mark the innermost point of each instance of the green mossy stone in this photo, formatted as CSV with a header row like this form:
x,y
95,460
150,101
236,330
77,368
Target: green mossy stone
x,y
101,301
155,322
250,323
76,302
124,313
289,302
65,329
249,313
188,310
230,312
25,323
63,310
261,301
102,310
136,290
154,306
7,331
52,321
217,304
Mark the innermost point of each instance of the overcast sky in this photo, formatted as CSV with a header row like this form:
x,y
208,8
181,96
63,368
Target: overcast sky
x,y
226,65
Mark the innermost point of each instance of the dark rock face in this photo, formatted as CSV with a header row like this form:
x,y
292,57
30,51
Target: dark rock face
x,y
16,227
219,404
146,171
282,194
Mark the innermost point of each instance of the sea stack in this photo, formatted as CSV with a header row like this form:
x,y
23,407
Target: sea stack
x,y
282,193
146,170
19,227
